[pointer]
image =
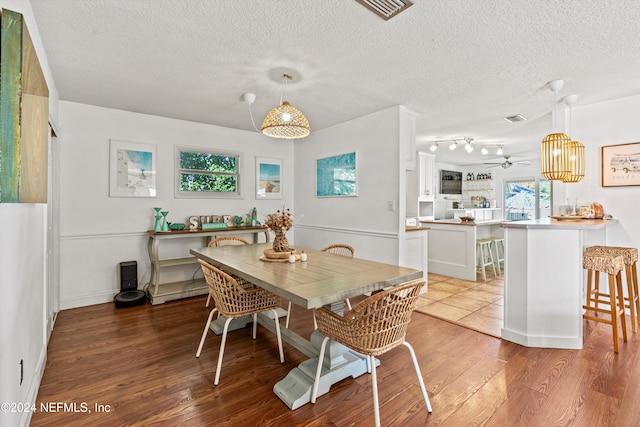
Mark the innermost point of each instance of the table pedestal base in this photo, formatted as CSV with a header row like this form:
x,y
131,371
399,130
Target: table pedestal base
x,y
340,362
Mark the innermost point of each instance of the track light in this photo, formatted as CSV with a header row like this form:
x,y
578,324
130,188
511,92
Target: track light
x,y
453,146
499,151
484,151
433,147
468,147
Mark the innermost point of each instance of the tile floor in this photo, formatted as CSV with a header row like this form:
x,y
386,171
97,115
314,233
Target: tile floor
x,y
476,305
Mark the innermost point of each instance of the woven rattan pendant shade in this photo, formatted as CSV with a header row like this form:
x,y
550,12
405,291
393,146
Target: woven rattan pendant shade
x,y
286,121
576,162
555,157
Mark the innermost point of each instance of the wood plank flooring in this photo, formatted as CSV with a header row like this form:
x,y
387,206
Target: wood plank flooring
x,y
139,364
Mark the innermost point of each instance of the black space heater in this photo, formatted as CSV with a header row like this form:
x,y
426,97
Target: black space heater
x,y
129,295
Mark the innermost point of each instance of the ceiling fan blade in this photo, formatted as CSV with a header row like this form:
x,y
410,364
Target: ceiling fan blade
x,y
524,162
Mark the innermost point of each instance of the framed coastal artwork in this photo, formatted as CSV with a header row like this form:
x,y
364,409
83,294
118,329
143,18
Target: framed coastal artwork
x,y
268,178
132,169
336,176
620,165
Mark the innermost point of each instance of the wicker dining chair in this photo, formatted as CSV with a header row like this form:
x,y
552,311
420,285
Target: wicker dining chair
x,y
373,327
233,301
226,241
344,250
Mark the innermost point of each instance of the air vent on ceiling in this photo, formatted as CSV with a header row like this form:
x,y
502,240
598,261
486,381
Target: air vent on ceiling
x,y
386,9
516,118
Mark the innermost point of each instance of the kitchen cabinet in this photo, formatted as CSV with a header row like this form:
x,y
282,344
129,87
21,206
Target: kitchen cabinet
x,y
427,177
408,137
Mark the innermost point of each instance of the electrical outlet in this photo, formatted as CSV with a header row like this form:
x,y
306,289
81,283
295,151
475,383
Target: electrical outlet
x,y
391,205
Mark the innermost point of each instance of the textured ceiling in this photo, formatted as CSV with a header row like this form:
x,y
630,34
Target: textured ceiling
x,y
461,64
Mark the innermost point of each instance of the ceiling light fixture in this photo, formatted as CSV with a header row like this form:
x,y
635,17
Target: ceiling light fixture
x,y
554,149
285,121
468,147
499,151
484,151
453,145
575,150
433,147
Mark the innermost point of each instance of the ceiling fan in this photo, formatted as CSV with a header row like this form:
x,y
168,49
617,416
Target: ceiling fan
x,y
507,163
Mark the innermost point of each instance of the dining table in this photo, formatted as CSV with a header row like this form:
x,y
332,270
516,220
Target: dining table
x,y
323,280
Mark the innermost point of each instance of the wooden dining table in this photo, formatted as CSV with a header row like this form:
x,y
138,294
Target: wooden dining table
x,y
323,280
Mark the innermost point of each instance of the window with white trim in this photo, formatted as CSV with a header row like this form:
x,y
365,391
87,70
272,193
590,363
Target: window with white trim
x,y
201,172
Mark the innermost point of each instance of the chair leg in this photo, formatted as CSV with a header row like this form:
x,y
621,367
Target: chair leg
x,y
208,299
348,303
255,324
374,386
623,320
286,323
315,323
204,334
314,391
632,299
278,334
415,364
222,343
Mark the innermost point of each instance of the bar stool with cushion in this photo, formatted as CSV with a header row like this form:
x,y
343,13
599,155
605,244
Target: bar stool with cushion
x,y
373,327
632,300
485,257
233,301
612,265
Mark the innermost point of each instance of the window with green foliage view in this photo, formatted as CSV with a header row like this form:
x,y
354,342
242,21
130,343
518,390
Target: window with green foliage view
x,y
203,173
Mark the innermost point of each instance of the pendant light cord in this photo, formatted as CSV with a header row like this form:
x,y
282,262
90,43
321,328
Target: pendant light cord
x,y
252,121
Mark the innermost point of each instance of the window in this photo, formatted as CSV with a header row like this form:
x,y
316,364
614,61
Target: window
x,y
527,199
207,173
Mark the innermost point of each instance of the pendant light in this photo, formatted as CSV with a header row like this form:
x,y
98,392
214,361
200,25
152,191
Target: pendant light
x,y
554,149
285,121
575,149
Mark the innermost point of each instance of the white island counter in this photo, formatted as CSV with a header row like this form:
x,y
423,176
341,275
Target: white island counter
x,y
545,282
452,245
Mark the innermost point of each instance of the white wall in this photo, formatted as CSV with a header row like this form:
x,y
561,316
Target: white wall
x,y
608,123
23,280
363,222
97,232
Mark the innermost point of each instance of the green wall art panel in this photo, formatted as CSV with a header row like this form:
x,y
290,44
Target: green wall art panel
x,y
336,176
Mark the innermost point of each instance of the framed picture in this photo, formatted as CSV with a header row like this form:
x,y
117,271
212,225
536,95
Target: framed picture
x,y
336,176
132,169
620,165
268,178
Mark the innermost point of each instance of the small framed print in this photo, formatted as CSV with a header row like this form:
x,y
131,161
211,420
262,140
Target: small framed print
x,y
268,178
620,165
132,169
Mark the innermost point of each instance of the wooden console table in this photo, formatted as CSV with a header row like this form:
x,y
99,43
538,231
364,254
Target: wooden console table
x,y
158,292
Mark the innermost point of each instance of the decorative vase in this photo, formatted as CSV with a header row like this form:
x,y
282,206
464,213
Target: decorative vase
x,y
165,226
158,226
280,243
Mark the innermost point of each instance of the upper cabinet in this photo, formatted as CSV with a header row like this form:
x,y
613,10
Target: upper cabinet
x,y
427,174
408,137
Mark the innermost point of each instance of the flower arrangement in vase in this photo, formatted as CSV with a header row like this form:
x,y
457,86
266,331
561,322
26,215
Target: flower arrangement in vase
x,y
280,222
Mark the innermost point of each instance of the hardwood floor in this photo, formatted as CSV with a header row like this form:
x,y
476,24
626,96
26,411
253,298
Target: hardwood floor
x,y
139,364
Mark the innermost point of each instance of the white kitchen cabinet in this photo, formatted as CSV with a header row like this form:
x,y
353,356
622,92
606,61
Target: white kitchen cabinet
x,y
427,177
408,137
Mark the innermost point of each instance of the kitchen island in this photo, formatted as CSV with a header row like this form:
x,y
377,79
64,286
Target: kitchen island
x,y
544,280
452,245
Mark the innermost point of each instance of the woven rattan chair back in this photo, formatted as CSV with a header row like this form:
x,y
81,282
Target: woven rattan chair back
x,y
227,241
339,249
233,300
376,324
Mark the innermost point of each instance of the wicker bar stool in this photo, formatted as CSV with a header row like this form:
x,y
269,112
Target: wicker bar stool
x,y
600,262
374,326
632,300
484,254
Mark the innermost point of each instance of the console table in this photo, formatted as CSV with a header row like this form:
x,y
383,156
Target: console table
x,y
158,292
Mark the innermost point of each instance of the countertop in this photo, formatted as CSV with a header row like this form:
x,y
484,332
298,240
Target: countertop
x,y
415,228
550,223
453,221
